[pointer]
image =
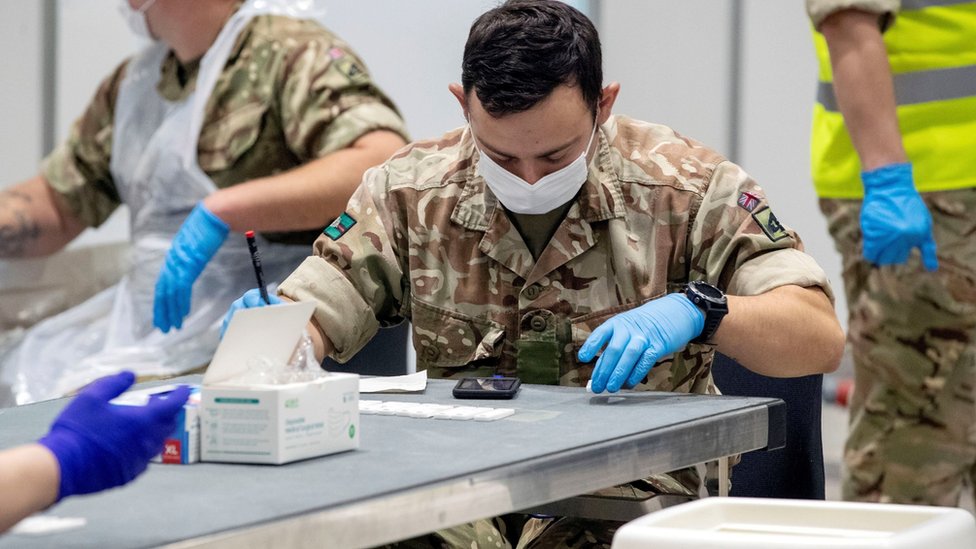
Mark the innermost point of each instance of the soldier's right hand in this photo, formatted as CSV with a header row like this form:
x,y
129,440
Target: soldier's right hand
x,y
250,299
894,219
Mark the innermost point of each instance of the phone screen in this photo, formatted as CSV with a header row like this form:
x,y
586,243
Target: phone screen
x,y
487,383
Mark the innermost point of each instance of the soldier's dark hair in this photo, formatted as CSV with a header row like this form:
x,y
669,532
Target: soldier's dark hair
x,y
519,52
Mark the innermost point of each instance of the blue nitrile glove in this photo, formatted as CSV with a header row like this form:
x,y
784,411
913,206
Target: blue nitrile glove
x,y
100,445
638,339
250,299
894,219
198,240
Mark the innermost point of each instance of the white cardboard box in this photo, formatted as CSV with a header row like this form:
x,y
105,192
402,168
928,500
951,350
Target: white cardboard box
x,y
273,423
183,445
767,523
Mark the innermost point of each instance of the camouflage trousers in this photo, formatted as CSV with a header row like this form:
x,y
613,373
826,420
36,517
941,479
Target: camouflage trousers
x,y
912,432
520,531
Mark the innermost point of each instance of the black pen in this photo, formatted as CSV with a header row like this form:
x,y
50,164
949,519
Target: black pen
x,y
252,245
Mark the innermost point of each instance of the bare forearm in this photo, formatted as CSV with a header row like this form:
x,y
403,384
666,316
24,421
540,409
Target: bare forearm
x,y
863,86
307,197
786,332
29,477
321,343
32,222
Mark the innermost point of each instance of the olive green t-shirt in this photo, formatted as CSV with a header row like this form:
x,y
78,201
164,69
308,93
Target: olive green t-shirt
x,y
537,229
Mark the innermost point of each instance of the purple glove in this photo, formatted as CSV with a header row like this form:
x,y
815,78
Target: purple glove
x,y
635,340
100,445
894,218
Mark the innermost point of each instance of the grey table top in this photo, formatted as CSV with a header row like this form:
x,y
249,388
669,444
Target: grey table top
x,y
410,475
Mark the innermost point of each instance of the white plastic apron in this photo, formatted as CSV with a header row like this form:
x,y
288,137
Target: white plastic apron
x,y
154,166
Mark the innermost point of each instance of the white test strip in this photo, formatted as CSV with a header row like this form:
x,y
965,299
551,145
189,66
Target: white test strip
x,y
426,410
460,413
492,414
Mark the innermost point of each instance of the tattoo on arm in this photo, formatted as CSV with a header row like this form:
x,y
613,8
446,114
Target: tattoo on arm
x,y
18,229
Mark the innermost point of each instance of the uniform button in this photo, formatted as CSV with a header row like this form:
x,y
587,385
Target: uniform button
x,y
431,353
532,292
538,323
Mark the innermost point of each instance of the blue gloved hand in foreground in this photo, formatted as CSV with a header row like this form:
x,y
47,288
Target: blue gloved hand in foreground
x,y
638,339
894,218
201,235
100,445
250,299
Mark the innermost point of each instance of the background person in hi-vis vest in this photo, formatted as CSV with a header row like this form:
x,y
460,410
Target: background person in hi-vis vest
x,y
893,158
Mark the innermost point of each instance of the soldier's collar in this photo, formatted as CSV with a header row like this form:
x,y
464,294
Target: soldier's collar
x,y
601,198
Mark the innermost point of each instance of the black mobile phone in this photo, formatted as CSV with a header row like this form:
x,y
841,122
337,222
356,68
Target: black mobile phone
x,y
487,387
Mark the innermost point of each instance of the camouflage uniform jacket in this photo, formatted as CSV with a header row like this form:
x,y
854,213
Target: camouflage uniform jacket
x,y
291,92
424,239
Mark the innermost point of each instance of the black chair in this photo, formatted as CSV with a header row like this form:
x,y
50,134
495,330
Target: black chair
x,y
384,355
796,470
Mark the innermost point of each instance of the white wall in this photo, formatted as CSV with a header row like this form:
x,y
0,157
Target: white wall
x,y
672,62
20,90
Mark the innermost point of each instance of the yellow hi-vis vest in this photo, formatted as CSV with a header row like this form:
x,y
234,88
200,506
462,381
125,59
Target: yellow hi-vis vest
x,y
932,50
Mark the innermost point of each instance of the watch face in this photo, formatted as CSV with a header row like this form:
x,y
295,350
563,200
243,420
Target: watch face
x,y
708,290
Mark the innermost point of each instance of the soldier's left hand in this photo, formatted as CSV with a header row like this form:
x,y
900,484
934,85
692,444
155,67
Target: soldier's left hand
x,y
199,238
635,340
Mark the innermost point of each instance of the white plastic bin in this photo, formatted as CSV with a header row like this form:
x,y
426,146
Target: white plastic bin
x,y
757,523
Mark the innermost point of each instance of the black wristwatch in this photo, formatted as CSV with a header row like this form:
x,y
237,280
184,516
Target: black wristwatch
x,y
712,302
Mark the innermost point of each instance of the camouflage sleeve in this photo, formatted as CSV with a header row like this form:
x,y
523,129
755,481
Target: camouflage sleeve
x,y
738,244
78,169
818,10
354,275
329,99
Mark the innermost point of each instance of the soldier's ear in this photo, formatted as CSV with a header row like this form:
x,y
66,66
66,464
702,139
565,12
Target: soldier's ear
x,y
607,97
458,92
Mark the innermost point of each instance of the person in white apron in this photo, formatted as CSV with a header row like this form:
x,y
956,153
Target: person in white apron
x,y
154,166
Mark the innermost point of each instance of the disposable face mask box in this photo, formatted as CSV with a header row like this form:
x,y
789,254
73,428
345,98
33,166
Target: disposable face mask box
x,y
183,446
273,423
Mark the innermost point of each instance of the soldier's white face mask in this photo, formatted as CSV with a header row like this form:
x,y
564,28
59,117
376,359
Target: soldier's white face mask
x,y
136,18
545,195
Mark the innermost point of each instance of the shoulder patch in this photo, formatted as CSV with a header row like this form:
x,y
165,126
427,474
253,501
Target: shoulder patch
x,y
339,227
769,224
748,201
349,67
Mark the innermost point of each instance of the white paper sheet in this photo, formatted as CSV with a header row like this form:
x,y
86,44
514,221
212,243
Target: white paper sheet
x,y
409,383
46,524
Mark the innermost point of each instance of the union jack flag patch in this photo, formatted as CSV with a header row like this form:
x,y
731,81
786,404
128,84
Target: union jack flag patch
x,y
748,201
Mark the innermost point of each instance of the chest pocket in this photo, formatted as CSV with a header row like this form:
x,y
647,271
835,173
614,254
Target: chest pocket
x,y
224,141
451,344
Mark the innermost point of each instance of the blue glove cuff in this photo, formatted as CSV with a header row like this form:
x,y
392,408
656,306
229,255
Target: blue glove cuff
x,y
211,219
696,315
888,177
